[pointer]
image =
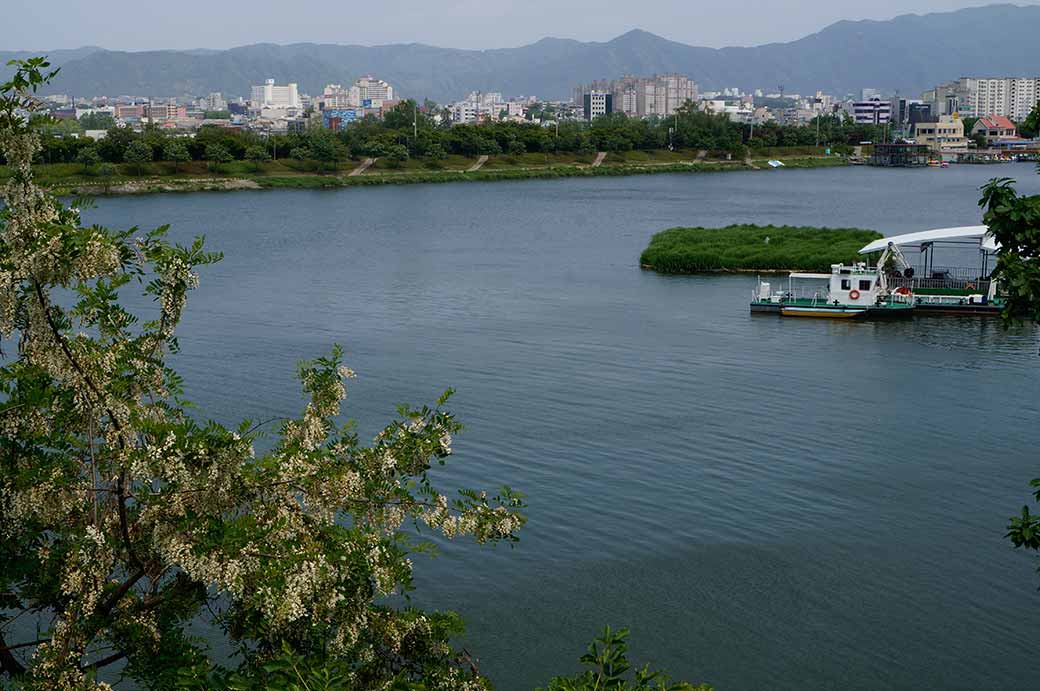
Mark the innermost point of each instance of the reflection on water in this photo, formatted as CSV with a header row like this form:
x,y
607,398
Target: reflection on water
x,y
768,503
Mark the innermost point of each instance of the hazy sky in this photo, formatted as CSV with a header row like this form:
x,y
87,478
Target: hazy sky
x,y
136,25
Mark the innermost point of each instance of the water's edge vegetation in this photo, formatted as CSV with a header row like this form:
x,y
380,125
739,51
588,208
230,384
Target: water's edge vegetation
x,y
746,247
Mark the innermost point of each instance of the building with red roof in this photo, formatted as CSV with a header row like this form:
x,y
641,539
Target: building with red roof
x,y
994,127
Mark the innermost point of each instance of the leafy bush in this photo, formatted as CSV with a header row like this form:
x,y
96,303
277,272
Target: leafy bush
x,y
607,658
751,247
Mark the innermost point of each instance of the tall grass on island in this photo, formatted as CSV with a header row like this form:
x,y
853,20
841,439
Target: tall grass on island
x,y
753,248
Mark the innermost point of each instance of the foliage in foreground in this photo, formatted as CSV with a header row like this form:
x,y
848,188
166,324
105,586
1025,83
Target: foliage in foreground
x,y
610,670
752,247
124,521
1014,221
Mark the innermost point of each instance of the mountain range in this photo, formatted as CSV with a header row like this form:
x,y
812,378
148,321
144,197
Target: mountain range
x,y
906,54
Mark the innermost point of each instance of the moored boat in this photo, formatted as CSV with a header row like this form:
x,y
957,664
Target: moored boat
x,y
854,291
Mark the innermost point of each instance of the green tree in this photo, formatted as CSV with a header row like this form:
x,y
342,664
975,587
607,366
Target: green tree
x,y
610,670
138,155
97,121
125,521
115,142
88,157
397,153
325,149
1014,221
405,116
218,156
177,153
1030,127
257,156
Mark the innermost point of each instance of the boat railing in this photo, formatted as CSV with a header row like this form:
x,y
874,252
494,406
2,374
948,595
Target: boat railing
x,y
948,300
942,280
816,296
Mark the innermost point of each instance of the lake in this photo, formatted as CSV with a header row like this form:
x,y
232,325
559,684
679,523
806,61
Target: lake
x,y
768,504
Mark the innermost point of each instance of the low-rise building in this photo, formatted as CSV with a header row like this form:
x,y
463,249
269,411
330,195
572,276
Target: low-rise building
x,y
946,136
994,127
166,112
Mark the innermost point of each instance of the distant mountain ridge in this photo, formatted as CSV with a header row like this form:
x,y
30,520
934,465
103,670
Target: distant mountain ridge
x,y
908,54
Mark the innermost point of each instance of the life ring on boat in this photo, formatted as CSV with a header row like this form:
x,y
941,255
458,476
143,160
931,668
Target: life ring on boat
x,y
853,294
969,286
902,290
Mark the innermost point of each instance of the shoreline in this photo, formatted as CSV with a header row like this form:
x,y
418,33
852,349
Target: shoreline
x,y
235,182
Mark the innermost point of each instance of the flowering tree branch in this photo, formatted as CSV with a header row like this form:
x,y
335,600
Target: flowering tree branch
x,y
123,518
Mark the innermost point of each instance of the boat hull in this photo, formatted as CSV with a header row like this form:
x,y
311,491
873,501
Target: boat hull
x,y
817,310
824,312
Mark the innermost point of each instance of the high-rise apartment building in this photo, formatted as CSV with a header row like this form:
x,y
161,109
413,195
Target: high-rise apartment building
x,y
659,95
269,95
1010,97
335,97
215,101
370,92
366,92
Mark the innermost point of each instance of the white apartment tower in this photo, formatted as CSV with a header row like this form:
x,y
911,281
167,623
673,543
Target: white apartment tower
x,y
369,92
268,95
1012,97
335,97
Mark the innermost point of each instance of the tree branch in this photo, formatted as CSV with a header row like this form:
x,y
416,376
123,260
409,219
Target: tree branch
x,y
104,662
27,644
114,598
8,662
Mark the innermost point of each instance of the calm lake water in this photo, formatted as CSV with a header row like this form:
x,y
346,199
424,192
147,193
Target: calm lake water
x,y
768,504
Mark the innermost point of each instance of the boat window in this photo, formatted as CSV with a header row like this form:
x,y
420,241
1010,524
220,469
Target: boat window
x,y
846,284
864,285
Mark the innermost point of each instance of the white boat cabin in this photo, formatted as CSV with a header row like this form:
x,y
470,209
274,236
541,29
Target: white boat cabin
x,y
854,285
847,285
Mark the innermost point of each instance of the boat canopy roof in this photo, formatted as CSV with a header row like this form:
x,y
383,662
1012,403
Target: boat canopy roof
x,y
801,275
986,241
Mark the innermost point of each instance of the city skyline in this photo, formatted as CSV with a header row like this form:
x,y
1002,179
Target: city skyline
x,y
65,24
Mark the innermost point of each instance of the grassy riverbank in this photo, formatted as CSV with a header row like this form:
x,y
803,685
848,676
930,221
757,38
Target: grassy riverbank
x,y
69,178
753,248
